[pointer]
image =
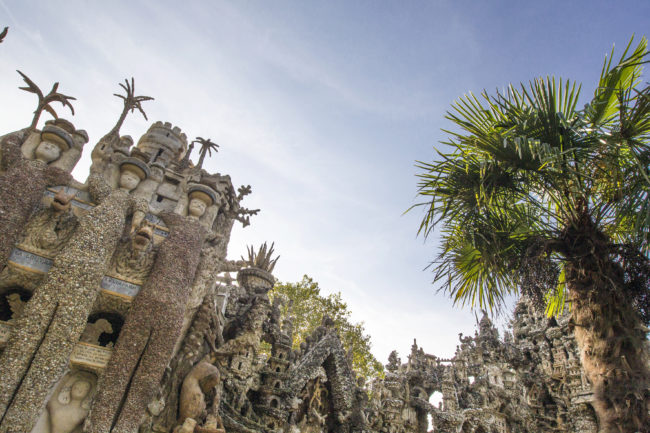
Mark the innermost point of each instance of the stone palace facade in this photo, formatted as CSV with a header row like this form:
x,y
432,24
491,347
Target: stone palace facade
x,y
118,313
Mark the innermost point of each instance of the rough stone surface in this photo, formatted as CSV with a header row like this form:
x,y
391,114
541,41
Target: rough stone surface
x,y
56,315
134,279
22,184
150,332
530,381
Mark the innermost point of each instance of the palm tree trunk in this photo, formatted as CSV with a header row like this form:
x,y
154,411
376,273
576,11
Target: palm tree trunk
x,y
37,116
120,121
201,158
611,340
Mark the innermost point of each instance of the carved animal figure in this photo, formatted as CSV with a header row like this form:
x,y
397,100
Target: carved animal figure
x,y
94,330
201,380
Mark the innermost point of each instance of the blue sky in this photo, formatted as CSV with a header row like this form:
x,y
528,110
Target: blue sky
x,y
322,107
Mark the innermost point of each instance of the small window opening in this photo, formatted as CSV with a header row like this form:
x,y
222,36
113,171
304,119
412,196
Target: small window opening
x,y
160,151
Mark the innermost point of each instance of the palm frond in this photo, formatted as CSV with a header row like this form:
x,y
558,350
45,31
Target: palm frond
x,y
524,165
613,79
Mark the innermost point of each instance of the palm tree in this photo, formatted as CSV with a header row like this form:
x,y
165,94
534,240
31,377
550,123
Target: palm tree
x,y
540,197
44,101
207,146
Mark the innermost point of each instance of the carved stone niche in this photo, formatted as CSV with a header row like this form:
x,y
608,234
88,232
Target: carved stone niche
x,y
95,346
12,303
103,329
256,280
69,405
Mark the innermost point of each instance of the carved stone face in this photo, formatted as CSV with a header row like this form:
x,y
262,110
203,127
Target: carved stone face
x,y
129,180
47,152
143,238
80,389
196,208
61,201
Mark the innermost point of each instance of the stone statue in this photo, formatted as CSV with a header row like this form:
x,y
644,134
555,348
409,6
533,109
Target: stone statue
x,y
94,330
135,255
69,405
202,381
202,337
50,228
200,199
23,181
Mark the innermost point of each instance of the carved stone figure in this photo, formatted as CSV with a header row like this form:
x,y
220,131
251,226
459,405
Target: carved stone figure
x,y
201,381
135,255
202,338
23,181
50,228
94,330
69,404
200,199
16,305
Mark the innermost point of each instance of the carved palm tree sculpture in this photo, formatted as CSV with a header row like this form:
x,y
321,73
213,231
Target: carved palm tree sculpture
x,y
207,146
45,101
262,258
131,103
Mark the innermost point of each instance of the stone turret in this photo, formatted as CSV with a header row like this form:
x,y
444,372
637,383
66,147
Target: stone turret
x,y
163,143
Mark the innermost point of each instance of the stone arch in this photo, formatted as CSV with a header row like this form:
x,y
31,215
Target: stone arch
x,y
329,355
419,392
480,429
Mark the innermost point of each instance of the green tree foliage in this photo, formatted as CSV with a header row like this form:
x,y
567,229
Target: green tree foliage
x,y
541,196
308,308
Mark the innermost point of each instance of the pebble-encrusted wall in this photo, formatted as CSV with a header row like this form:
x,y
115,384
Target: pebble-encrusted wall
x,y
118,313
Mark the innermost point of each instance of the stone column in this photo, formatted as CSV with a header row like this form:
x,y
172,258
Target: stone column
x,y
53,321
150,332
